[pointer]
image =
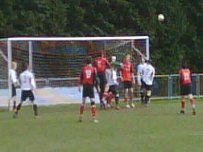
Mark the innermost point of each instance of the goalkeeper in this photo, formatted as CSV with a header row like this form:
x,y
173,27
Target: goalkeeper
x,y
140,82
148,78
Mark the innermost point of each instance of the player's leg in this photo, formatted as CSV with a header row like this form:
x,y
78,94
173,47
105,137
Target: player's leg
x,y
116,95
82,109
142,92
12,103
24,96
125,86
148,94
190,96
12,100
104,97
101,88
117,101
182,110
82,106
126,100
131,97
110,96
192,102
183,93
93,109
14,97
32,99
92,103
15,114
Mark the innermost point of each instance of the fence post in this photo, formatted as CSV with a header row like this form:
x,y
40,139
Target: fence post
x,y
170,87
47,82
198,85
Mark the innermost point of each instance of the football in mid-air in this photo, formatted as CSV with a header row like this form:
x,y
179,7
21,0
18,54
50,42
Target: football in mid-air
x,y
161,17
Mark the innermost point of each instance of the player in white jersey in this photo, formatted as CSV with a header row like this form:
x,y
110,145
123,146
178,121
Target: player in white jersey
x,y
148,78
14,85
140,68
111,90
28,85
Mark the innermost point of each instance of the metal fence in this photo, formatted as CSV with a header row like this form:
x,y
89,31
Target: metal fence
x,y
164,87
168,87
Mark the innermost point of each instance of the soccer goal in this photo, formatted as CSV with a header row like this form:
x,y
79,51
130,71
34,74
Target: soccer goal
x,y
56,61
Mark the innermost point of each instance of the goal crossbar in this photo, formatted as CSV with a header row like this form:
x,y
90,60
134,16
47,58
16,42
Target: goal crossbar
x,y
75,38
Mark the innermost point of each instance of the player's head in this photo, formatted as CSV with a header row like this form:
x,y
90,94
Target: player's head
x,y
88,60
14,65
25,67
148,61
127,58
102,54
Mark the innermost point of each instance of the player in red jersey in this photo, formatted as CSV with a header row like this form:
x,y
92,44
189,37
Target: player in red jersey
x,y
87,79
101,64
127,77
186,87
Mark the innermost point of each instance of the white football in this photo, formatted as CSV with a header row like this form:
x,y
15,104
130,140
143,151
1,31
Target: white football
x,y
161,17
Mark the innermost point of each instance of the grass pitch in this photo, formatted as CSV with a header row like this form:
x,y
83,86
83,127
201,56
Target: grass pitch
x,y
158,128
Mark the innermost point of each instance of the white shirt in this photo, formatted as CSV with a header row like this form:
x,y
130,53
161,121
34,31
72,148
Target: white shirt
x,y
111,77
140,72
13,76
27,80
148,74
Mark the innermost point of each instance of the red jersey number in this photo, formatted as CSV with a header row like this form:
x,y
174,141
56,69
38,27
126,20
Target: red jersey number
x,y
87,75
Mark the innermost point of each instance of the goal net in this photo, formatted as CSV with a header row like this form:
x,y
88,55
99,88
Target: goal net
x,y
56,61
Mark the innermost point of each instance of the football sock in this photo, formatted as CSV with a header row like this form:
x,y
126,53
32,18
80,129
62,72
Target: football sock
x,y
35,110
82,107
182,105
14,105
109,98
93,110
193,107
18,107
116,100
146,99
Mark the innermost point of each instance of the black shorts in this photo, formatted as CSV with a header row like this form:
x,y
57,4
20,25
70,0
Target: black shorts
x,y
27,94
113,89
127,84
13,92
145,86
88,91
185,89
102,78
